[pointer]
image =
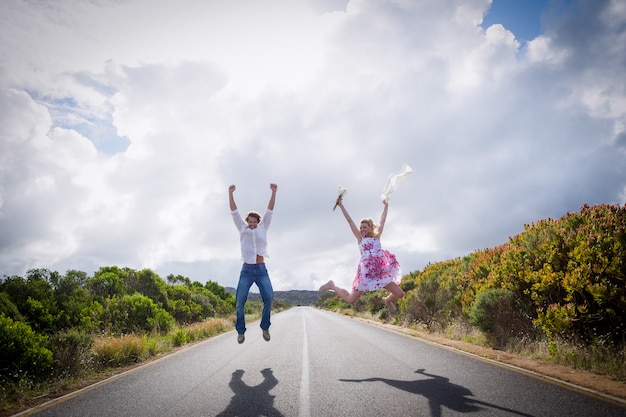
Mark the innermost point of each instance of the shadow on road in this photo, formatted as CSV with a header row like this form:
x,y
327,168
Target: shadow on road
x,y
440,393
252,401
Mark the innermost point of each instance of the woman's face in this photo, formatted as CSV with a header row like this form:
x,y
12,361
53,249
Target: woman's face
x,y
365,229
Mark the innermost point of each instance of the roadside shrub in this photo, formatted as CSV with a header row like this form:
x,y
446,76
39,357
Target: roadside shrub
x,y
253,307
497,313
373,302
206,302
72,352
23,351
136,313
330,301
429,303
180,337
156,345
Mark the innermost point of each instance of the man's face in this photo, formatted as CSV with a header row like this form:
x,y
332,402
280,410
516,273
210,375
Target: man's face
x,y
252,222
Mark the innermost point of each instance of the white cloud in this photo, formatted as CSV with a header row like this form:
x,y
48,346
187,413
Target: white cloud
x,y
123,123
540,50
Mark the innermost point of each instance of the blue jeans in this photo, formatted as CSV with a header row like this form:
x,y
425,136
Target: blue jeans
x,y
253,274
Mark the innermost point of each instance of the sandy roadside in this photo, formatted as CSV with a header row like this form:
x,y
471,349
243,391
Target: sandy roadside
x,y
593,384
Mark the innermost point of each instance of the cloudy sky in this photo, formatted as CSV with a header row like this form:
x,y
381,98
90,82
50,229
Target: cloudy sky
x,y
123,122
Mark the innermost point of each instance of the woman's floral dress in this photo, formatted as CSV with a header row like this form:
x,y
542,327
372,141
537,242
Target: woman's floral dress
x,y
377,267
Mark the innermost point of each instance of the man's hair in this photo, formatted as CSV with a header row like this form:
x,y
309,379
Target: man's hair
x,y
254,214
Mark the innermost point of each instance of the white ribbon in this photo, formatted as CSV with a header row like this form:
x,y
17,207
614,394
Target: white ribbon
x,y
395,180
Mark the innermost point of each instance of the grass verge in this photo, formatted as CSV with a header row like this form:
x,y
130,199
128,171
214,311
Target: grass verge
x,y
109,354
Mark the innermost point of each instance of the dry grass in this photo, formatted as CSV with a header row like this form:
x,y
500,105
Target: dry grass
x,y
596,359
119,351
116,351
209,328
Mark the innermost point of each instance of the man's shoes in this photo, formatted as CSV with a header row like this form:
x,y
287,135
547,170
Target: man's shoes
x,y
266,335
240,338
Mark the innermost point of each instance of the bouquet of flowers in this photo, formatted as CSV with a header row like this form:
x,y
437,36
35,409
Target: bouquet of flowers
x,y
342,192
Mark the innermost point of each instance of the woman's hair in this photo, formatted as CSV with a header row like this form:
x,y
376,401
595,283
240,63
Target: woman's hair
x,y
254,214
373,227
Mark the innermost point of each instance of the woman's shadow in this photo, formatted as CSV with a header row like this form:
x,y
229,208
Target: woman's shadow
x,y
252,401
440,393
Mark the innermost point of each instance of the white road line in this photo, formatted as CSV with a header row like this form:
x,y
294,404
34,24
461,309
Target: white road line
x,y
305,401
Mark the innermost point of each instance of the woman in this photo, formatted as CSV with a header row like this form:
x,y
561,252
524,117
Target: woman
x,y
377,267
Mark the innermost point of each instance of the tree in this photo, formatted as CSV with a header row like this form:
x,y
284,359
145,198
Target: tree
x,y
8,308
72,298
148,283
106,283
34,298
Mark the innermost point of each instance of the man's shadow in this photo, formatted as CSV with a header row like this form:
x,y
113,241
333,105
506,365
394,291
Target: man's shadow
x,y
252,401
440,393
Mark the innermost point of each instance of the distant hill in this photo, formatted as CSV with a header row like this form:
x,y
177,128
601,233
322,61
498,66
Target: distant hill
x,y
294,297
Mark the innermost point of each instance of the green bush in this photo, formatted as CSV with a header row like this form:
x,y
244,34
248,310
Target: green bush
x,y
499,315
23,351
71,352
135,313
8,308
431,303
180,337
185,312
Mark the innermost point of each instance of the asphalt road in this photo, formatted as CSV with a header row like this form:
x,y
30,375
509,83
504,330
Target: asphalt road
x,y
321,364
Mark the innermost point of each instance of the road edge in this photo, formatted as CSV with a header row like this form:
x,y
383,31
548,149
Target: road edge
x,y
581,381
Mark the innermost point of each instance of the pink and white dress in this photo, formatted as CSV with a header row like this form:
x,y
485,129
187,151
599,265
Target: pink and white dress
x,y
377,266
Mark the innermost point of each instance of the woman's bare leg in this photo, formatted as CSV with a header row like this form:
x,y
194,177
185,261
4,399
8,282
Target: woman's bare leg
x,y
348,297
396,293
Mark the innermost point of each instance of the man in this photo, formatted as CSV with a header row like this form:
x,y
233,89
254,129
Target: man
x,y
253,239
